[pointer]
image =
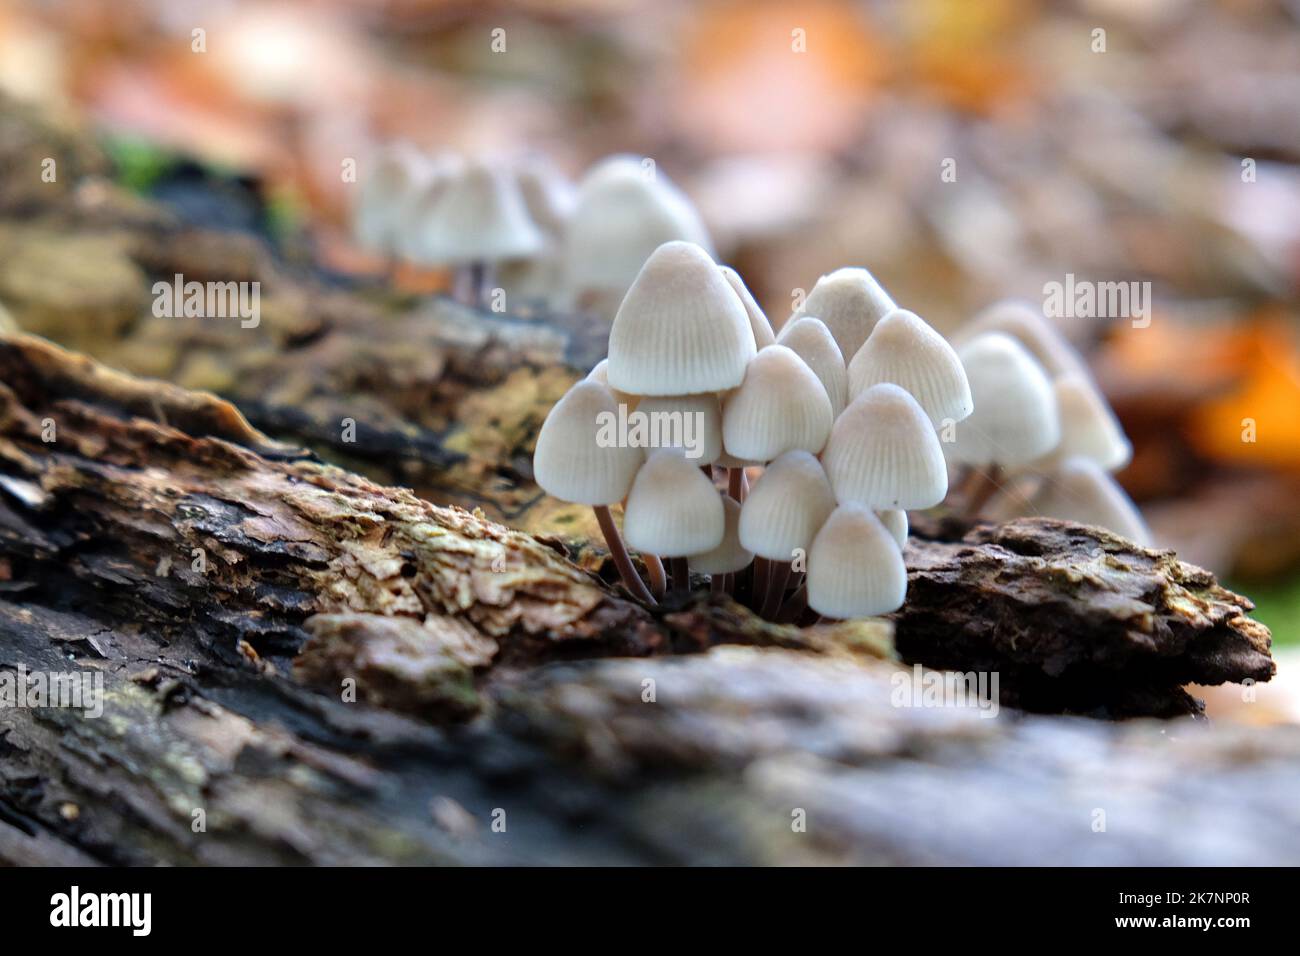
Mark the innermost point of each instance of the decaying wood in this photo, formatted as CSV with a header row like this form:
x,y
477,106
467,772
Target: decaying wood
x,y
1075,618
353,674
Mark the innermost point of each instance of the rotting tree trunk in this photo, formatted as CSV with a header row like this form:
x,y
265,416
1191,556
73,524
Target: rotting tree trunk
x,y
335,671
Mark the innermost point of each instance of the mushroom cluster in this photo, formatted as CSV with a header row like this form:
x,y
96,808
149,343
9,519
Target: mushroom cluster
x,y
472,216
1042,439
698,395
523,223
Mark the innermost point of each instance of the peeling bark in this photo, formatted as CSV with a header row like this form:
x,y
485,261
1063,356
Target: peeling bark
x,y
1076,618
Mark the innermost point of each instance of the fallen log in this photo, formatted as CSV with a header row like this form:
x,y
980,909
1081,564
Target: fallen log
x,y
301,665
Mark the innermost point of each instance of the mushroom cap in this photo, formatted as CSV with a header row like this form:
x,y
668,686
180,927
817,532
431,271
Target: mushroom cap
x,y
672,509
813,342
575,460
696,419
729,555
895,522
883,453
480,216
758,323
398,174
1015,419
411,220
1027,325
548,196
600,373
855,568
621,215
905,350
786,506
1089,429
1078,490
681,330
781,405
849,301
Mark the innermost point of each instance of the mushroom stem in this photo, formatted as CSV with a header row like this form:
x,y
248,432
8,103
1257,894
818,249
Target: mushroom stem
x,y
984,487
655,571
762,575
478,282
959,489
775,589
619,553
681,572
794,607
737,484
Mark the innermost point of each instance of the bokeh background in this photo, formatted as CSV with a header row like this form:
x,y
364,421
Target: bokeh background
x,y
1169,157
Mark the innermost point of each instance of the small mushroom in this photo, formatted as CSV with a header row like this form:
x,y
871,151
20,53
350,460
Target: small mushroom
x,y
729,555
883,453
781,405
673,510
895,522
758,323
809,338
905,350
548,196
1030,328
1089,428
1015,420
850,301
478,221
398,175
681,330
1078,490
622,213
572,463
781,515
855,568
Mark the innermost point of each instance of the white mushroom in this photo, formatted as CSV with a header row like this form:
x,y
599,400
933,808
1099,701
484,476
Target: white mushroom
x,y
681,330
904,350
883,453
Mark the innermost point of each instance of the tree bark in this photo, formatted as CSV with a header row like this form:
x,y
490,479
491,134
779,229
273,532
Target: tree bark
x,y
321,669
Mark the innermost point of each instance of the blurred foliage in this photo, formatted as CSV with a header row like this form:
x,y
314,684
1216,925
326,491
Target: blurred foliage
x,y
137,163
1277,606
